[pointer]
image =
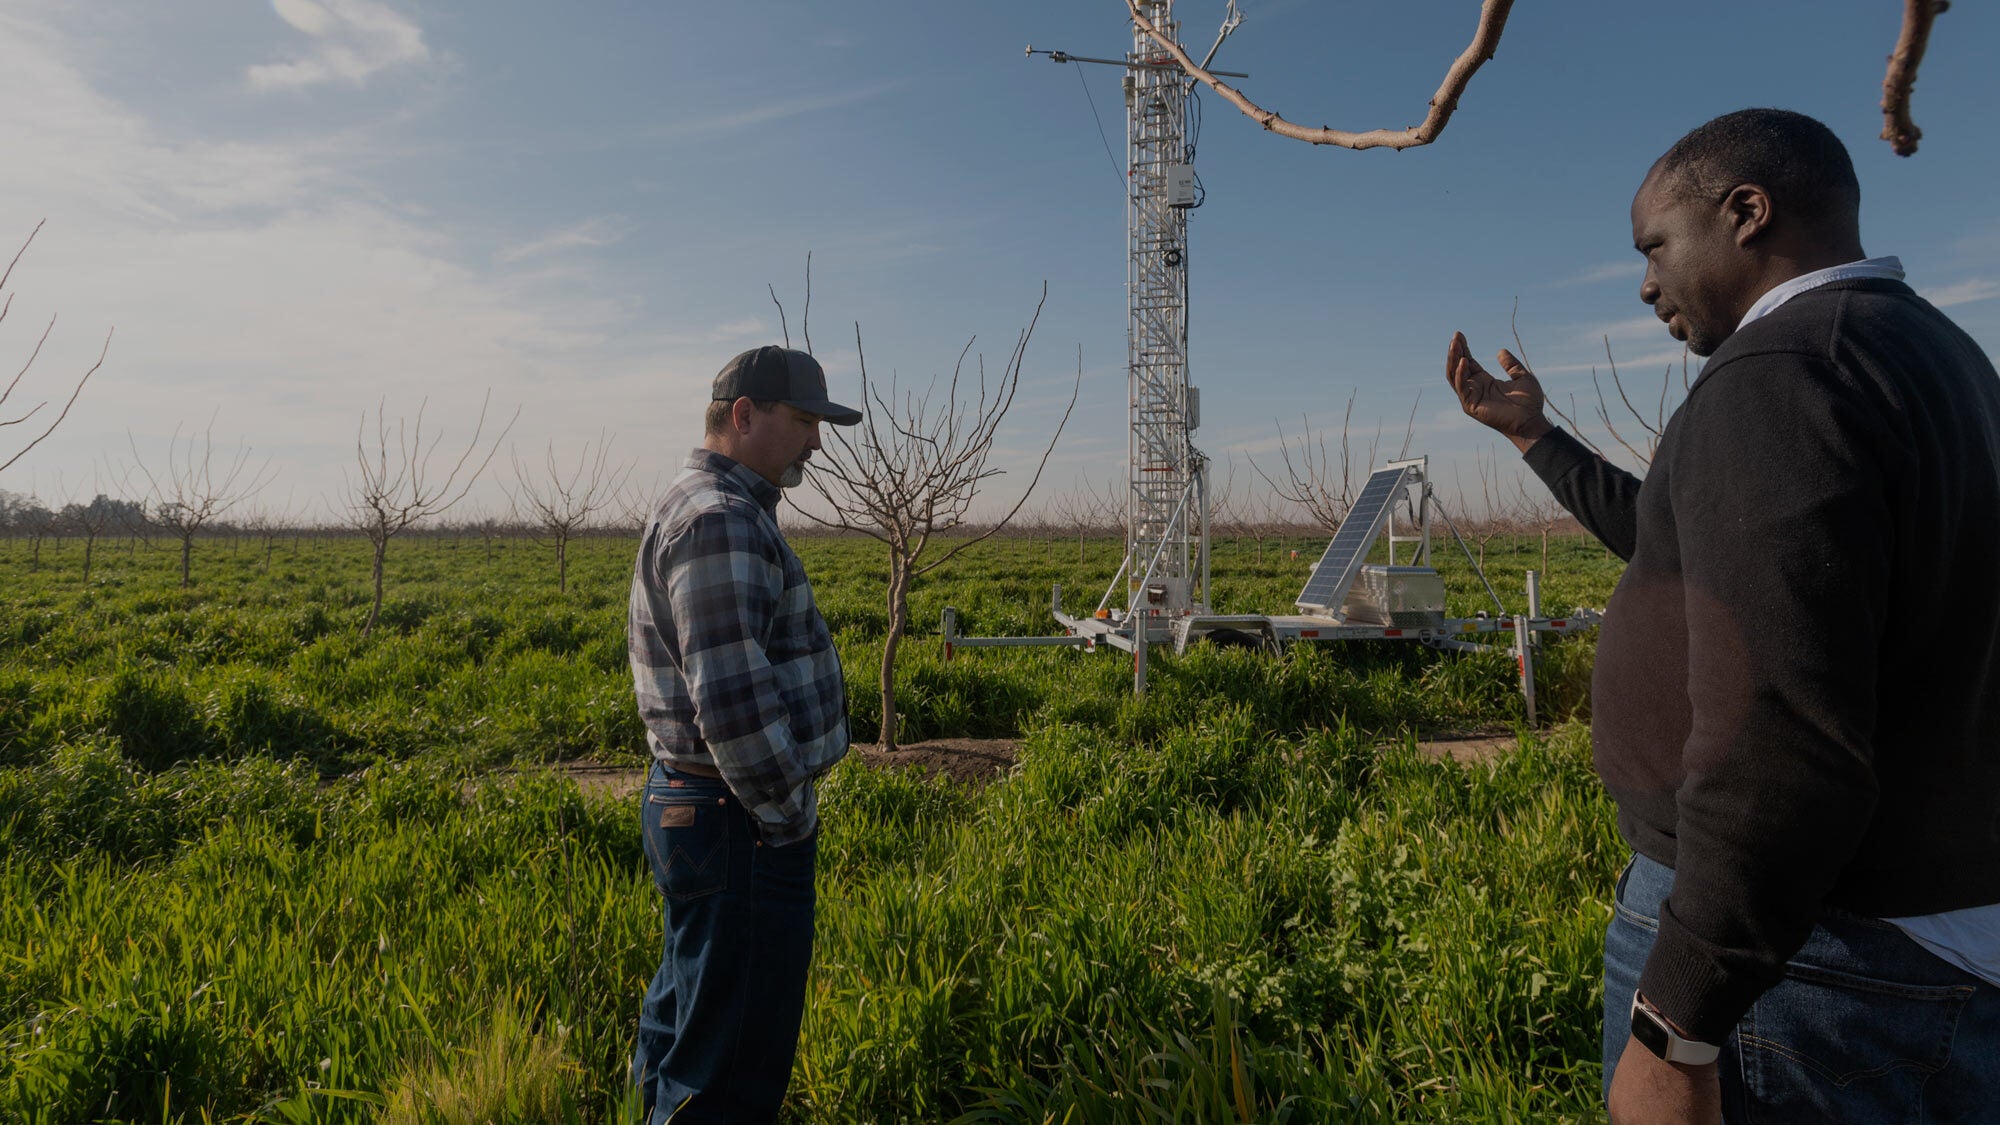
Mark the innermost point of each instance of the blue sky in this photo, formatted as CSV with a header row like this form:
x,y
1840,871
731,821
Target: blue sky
x,y
294,210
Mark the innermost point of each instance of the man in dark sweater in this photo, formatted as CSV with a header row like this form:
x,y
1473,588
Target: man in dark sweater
x,y
1796,702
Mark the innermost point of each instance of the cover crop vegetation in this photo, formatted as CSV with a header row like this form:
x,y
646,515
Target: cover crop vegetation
x,y
254,867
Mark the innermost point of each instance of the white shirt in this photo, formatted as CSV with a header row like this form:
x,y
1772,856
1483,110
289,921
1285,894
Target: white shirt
x,y
1968,938
1890,267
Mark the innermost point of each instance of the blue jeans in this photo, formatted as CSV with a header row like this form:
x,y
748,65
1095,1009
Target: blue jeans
x,y
1867,1026
720,1023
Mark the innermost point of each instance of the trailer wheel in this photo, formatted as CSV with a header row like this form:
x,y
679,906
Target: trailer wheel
x,y
1234,638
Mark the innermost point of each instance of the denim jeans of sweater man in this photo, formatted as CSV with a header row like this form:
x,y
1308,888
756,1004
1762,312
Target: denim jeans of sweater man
x,y
1867,1027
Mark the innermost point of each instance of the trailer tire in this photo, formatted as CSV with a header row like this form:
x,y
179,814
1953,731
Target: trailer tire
x,y
1235,638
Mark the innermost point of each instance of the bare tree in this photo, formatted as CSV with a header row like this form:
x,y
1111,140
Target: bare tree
x,y
912,470
635,503
1079,511
1318,483
1539,509
394,486
1485,40
1494,517
191,492
7,392
1257,518
562,505
489,527
266,525
90,521
1314,479
34,519
1647,427
1651,427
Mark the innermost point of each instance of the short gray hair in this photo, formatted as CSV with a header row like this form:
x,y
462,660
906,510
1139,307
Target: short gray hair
x,y
717,417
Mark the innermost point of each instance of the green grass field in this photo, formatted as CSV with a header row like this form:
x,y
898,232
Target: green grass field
x,y
256,868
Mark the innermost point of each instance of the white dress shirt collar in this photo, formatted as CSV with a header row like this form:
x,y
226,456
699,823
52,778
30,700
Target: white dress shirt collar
x,y
1889,267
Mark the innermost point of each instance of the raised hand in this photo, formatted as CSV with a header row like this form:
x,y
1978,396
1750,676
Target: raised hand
x,y
1512,406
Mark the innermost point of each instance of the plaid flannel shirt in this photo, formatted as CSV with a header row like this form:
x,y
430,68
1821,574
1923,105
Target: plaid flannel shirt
x,y
733,664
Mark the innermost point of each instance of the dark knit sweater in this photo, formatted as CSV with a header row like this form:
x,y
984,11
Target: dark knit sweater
x,y
1797,695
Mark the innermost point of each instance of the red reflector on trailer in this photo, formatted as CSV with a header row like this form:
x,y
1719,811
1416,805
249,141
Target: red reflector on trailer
x,y
1392,632
1308,632
1559,624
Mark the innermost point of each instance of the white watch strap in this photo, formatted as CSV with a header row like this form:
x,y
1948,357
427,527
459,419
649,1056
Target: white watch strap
x,y
1680,1049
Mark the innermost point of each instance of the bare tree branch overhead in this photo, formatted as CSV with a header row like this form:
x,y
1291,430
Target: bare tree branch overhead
x,y
1897,127
6,303
1485,40
1897,83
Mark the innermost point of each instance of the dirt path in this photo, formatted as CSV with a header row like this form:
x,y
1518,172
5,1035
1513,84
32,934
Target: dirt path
x,y
1466,749
979,761
973,761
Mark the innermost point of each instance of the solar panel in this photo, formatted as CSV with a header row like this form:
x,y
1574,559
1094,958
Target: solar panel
x,y
1335,572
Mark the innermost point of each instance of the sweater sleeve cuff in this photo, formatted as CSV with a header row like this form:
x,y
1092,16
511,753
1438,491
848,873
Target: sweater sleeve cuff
x,y
1556,455
1692,986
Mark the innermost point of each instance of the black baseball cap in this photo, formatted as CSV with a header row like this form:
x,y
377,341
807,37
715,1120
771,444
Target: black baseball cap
x,y
786,375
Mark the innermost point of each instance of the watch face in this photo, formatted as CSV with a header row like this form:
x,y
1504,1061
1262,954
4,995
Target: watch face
x,y
1650,1031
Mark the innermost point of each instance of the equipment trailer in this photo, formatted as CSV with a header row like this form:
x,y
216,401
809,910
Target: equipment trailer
x,y
1345,599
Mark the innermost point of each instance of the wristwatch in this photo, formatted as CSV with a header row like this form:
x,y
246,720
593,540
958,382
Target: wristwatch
x,y
1651,1028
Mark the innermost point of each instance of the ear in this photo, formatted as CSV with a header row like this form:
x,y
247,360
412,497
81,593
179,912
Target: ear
x,y
740,412
1748,211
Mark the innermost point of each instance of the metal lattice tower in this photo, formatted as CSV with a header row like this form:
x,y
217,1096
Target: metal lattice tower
x,y
1167,514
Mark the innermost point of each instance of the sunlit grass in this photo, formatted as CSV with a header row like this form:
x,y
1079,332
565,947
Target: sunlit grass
x,y
254,868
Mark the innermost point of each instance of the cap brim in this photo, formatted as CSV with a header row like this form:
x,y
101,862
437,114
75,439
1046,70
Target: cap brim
x,y
831,411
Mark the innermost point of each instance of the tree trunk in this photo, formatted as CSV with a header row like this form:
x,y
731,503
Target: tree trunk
x,y
899,589
562,565
87,545
187,549
1545,552
375,611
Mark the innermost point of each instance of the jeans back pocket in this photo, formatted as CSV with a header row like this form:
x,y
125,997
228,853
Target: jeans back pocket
x,y
687,842
1829,1045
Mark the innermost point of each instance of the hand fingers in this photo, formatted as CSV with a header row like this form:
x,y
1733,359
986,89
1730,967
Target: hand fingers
x,y
1512,366
1459,364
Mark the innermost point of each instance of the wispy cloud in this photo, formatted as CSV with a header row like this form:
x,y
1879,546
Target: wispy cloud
x,y
1963,293
773,111
1609,271
588,234
1646,362
1645,328
351,39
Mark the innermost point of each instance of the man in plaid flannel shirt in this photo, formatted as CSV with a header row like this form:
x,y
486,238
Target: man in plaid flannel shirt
x,y
741,692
